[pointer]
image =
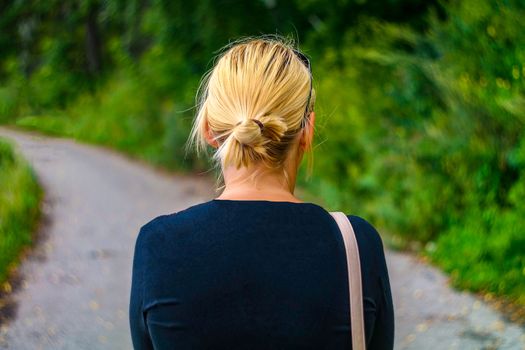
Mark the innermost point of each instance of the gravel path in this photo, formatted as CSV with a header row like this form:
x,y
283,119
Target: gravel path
x,y
75,287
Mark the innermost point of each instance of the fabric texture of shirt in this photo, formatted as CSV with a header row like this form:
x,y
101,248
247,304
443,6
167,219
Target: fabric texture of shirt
x,y
254,274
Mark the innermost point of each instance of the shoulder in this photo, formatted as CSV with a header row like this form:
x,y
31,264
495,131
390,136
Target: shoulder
x,y
167,226
365,231
370,243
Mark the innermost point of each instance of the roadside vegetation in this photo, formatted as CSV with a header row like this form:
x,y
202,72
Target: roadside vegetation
x,y
420,108
20,196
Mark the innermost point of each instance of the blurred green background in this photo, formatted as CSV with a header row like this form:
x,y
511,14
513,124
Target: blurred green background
x,y
420,105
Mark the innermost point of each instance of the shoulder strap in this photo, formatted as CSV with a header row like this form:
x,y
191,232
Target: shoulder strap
x,y
354,280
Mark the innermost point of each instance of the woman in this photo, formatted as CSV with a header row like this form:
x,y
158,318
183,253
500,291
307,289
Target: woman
x,y
256,267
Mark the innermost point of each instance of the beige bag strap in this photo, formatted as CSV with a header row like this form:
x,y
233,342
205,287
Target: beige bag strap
x,y
354,280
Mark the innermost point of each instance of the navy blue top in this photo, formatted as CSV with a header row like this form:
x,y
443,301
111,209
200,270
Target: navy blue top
x,y
254,274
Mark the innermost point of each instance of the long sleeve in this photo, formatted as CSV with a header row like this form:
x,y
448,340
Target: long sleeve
x,y
383,336
376,286
139,332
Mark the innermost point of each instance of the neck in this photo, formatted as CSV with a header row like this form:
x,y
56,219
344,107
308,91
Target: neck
x,y
269,185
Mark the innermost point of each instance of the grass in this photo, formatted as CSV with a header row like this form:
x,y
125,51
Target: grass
x,y
20,196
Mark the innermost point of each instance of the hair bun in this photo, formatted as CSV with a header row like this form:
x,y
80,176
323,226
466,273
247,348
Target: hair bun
x,y
274,126
258,132
261,125
248,132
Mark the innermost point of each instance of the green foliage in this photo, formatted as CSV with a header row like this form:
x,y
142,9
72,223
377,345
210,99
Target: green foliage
x,y
420,118
485,252
14,99
134,111
19,206
425,135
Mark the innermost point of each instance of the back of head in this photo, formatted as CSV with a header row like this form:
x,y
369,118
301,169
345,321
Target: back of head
x,y
255,100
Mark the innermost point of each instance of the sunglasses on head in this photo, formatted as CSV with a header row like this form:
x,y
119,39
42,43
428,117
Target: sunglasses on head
x,y
306,62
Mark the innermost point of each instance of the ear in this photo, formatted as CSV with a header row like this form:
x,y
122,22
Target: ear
x,y
307,135
209,136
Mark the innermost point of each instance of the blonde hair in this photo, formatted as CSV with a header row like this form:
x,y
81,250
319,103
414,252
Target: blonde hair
x,y
254,100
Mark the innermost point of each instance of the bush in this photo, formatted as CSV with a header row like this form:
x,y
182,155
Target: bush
x,y
426,137
143,109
